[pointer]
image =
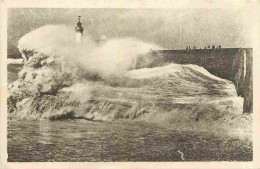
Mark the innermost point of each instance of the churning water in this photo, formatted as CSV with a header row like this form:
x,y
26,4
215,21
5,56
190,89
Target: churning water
x,y
81,140
112,83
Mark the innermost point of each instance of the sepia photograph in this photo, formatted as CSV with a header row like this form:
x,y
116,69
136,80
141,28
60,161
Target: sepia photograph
x,y
129,85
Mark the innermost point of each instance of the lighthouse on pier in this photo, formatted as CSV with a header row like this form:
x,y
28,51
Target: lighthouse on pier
x,y
79,31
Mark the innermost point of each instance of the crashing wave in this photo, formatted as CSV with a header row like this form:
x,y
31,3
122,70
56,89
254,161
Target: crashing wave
x,y
61,80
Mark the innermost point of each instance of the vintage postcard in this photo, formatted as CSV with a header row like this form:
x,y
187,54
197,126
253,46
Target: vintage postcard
x,y
135,84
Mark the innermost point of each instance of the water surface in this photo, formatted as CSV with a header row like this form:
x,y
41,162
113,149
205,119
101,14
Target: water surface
x,y
82,140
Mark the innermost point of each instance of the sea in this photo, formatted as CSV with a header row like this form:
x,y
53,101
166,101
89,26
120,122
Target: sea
x,y
82,140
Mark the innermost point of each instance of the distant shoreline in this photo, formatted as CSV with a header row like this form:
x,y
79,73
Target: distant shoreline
x,y
14,61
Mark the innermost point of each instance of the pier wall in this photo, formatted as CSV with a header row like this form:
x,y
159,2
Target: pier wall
x,y
234,64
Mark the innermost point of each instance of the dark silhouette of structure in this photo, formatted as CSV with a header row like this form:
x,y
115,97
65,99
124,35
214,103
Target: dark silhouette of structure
x,y
234,64
79,27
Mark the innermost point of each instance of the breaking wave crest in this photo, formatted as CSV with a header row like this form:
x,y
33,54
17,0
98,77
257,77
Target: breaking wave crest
x,y
113,80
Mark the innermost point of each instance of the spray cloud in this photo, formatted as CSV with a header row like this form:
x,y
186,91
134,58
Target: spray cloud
x,y
113,56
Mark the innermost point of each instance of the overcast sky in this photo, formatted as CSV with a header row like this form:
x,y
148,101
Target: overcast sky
x,y
169,28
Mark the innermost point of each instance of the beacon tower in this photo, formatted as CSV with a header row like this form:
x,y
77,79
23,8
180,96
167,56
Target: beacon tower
x,y
79,31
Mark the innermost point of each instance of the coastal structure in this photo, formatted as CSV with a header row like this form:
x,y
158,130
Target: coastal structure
x,y
234,64
79,31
